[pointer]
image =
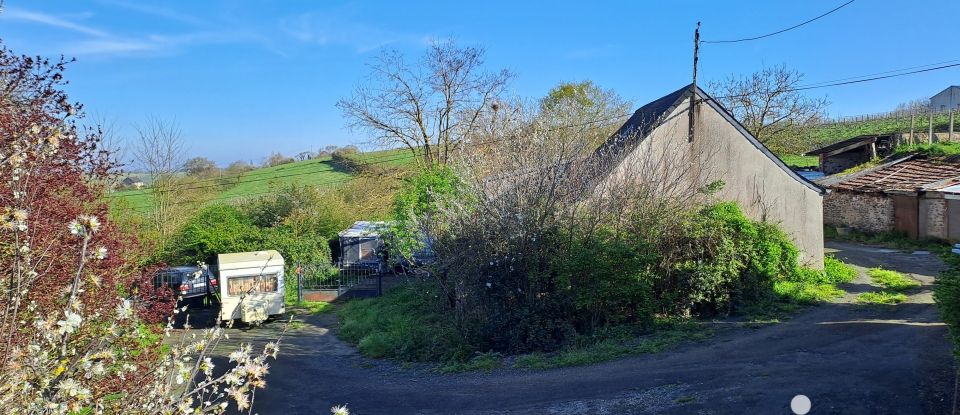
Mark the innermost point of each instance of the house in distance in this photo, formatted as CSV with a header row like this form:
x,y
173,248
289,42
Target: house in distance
x,y
946,100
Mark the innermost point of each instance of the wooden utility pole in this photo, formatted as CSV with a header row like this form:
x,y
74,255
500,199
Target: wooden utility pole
x,y
693,88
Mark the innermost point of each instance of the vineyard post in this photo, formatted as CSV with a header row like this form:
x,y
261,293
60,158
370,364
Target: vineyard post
x,y
930,128
913,123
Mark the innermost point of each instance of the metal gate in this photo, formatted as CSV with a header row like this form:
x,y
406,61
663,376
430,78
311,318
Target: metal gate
x,y
323,282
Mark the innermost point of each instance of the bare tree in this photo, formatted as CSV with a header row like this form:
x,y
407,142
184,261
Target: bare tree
x,y
160,152
769,105
429,107
304,155
914,106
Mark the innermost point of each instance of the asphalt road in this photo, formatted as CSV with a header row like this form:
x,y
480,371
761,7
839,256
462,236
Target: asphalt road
x,y
847,359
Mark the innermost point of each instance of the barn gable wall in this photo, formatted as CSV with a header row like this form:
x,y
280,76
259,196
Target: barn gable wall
x,y
764,190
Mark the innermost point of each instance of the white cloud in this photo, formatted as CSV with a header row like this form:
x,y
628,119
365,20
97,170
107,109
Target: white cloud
x,y
108,47
50,20
329,29
155,11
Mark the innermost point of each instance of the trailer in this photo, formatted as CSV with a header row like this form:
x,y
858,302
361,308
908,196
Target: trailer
x,y
361,246
251,285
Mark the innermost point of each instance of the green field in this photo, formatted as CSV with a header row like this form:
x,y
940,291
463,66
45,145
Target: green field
x,y
800,162
319,172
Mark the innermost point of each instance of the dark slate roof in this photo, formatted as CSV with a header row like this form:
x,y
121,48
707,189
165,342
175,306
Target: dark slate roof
x,y
909,174
860,139
652,115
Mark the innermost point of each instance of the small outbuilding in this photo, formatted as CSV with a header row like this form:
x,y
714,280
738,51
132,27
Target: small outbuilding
x,y
853,152
362,245
915,195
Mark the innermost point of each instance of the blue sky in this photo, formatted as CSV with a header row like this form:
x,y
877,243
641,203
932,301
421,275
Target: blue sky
x,y
244,79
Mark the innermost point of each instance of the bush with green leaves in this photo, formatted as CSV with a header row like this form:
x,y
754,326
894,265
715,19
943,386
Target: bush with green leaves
x,y
214,230
407,323
421,197
222,228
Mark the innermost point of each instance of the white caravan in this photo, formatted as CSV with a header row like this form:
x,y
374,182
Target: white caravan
x,y
251,285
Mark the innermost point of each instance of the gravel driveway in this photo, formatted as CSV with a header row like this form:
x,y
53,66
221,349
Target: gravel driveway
x,y
846,358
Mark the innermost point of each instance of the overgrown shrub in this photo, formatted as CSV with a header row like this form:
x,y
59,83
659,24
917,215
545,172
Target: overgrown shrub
x,y
348,160
215,230
221,228
947,295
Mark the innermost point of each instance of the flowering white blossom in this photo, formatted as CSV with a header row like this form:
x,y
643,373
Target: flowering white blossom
x,y
124,310
340,410
84,225
70,323
72,388
93,224
271,349
100,253
76,228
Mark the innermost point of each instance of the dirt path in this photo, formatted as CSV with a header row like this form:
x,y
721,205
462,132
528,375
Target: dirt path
x,y
848,359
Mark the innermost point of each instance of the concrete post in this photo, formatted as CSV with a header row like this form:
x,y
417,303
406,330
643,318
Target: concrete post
x,y
951,125
930,134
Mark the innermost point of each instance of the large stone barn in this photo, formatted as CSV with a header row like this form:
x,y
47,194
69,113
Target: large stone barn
x,y
657,141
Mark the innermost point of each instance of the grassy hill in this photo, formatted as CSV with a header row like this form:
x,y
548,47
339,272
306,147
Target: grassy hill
x,y
317,172
832,132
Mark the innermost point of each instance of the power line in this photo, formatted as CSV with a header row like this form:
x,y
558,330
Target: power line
x,y
779,31
876,77
855,80
884,72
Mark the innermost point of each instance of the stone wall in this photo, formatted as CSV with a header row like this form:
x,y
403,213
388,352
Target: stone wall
x,y
865,212
933,218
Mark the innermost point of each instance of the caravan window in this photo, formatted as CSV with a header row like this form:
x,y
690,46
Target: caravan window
x,y
252,283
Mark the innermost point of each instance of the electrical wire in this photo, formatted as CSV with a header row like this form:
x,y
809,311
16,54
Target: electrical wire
x,y
855,81
779,31
885,72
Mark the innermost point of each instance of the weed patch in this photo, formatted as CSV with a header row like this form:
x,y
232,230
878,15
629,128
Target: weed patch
x,y
315,307
892,280
838,272
881,297
806,293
